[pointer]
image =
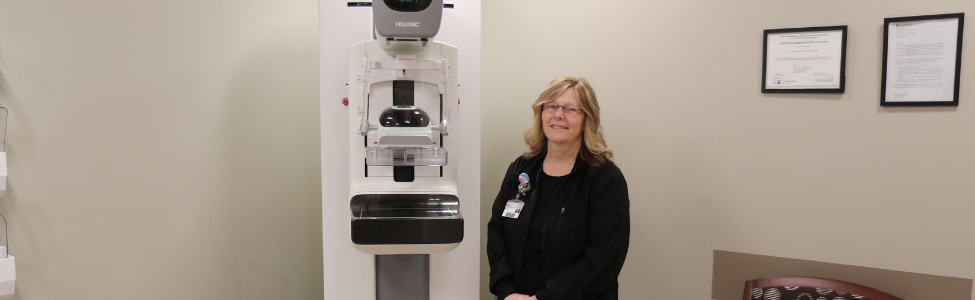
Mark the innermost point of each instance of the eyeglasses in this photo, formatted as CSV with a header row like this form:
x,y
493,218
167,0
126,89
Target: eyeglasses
x,y
552,108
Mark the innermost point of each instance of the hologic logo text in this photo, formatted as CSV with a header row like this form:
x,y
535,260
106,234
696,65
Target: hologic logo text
x,y
407,24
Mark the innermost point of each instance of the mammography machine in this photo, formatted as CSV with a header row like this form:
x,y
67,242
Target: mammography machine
x,y
402,96
399,153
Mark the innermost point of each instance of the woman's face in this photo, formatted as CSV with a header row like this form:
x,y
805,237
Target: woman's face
x,y
562,119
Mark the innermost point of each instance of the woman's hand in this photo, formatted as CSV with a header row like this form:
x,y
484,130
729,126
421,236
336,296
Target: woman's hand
x,y
517,296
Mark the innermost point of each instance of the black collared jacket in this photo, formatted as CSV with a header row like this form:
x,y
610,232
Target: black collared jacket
x,y
585,239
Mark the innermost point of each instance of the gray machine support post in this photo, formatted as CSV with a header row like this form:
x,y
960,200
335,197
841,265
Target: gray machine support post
x,y
403,277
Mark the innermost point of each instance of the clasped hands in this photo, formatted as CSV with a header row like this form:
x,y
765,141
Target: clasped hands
x,y
517,296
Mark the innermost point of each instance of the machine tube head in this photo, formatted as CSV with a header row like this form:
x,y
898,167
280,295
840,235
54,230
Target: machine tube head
x,y
407,19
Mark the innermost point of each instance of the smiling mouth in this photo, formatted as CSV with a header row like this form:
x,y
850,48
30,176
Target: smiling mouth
x,y
559,127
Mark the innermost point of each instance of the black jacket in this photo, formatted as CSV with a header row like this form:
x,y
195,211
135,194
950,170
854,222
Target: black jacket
x,y
585,238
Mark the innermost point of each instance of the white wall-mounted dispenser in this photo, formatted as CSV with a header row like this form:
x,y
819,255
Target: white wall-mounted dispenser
x,y
8,270
3,151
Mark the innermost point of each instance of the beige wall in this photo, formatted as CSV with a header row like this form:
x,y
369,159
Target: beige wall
x,y
714,164
162,149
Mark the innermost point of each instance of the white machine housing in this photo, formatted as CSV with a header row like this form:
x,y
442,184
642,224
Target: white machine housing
x,y
353,274
393,213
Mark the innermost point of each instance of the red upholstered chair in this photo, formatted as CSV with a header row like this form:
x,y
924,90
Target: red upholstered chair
x,y
810,288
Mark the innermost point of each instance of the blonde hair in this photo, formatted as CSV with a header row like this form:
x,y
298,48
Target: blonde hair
x,y
594,150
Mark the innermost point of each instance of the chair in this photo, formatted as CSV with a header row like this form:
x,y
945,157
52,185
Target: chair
x,y
810,288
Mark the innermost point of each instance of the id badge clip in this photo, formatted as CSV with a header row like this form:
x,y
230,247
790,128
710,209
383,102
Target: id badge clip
x,y
513,208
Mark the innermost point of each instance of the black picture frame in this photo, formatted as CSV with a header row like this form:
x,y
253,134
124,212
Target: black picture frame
x,y
916,86
789,40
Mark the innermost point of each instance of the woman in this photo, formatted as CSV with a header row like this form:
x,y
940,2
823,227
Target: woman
x,y
560,226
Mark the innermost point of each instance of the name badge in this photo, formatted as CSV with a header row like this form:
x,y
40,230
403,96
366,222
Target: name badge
x,y
513,208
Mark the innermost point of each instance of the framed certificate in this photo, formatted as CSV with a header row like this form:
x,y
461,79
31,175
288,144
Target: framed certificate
x,y
804,60
922,60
